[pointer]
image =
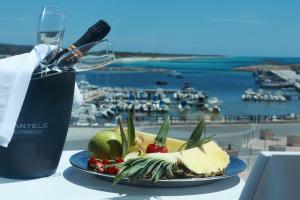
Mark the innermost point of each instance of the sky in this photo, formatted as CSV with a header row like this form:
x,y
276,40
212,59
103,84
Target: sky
x,y
228,27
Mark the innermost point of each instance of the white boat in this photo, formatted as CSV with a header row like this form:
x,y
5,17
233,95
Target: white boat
x,y
165,108
104,113
167,100
246,97
147,107
121,105
110,125
272,98
155,107
214,101
137,106
82,122
91,117
216,109
212,108
95,124
178,95
180,108
282,98
129,106
200,96
183,106
266,97
249,91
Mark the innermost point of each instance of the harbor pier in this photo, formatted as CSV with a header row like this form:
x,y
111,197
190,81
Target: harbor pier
x,y
289,76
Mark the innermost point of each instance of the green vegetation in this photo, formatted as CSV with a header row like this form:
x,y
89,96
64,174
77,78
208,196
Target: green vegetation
x,y
12,49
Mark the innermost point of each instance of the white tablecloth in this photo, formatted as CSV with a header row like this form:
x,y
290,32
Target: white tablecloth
x,y
71,183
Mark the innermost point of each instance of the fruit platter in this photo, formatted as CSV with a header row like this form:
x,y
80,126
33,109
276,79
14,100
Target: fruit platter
x,y
126,156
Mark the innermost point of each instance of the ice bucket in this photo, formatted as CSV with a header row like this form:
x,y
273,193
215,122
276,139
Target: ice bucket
x,y
41,129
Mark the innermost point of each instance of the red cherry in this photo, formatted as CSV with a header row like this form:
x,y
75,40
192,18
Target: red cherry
x,y
112,170
92,161
163,150
119,160
152,148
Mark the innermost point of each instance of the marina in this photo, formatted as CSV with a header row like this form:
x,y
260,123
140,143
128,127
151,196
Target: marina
x,y
276,85
107,103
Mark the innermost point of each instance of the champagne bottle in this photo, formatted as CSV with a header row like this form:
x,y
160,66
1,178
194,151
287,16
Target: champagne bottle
x,y
95,33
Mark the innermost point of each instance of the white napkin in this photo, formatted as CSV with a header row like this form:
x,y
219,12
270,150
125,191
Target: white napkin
x,y
78,99
15,75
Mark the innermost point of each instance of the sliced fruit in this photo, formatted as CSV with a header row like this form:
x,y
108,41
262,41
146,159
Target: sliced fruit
x,y
204,160
207,160
147,156
142,139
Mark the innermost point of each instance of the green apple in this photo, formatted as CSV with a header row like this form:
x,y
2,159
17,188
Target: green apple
x,y
106,145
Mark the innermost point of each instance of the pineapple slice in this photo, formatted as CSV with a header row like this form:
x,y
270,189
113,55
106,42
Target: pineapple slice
x,y
205,160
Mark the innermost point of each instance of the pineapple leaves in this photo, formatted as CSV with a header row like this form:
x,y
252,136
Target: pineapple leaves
x,y
206,140
195,137
162,135
129,141
125,147
145,168
131,131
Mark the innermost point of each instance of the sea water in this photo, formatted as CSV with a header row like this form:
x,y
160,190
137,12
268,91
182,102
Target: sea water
x,y
212,75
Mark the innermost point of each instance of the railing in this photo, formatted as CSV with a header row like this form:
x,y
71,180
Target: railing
x,y
223,119
210,119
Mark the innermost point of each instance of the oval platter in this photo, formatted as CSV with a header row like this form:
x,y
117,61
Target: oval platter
x,y
236,166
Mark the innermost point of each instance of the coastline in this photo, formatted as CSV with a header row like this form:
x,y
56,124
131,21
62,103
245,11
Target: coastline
x,y
162,58
267,67
134,69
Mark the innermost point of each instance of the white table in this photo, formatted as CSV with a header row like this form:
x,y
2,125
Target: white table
x,y
71,183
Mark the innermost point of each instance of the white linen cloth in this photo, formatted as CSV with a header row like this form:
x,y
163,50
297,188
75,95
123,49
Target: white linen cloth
x,y
15,75
275,176
71,183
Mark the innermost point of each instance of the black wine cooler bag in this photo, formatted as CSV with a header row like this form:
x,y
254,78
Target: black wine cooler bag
x,y
41,129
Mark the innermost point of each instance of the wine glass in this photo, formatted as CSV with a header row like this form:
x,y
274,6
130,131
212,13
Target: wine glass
x,y
90,56
50,31
51,26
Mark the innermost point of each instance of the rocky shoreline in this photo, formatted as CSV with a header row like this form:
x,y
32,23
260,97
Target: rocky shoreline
x,y
267,67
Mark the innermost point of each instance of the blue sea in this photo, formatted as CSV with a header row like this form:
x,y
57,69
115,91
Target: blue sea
x,y
212,75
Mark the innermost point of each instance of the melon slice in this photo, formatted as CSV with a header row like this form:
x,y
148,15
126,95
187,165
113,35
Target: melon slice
x,y
142,139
